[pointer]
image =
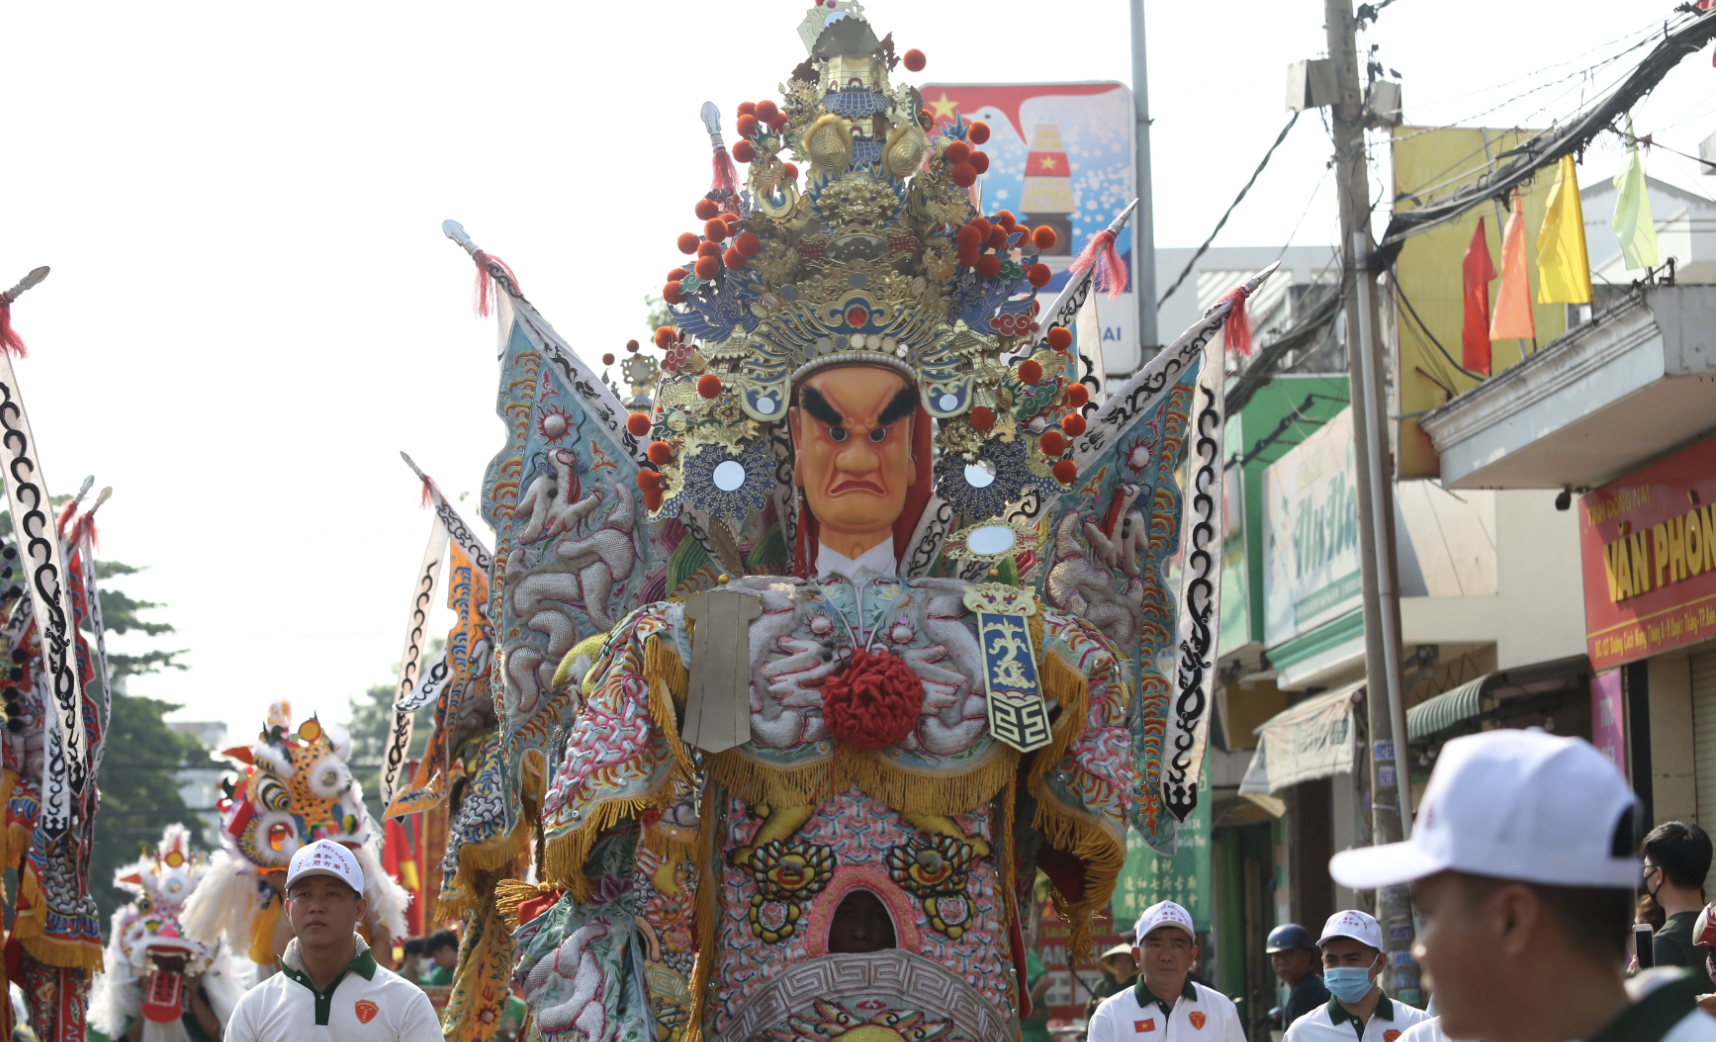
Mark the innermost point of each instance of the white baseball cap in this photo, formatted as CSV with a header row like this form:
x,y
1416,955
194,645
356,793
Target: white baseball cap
x,y
1165,913
1355,924
1513,804
326,858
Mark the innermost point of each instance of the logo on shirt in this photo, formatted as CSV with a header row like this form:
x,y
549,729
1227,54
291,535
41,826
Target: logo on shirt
x,y
366,1011
1390,1035
1141,1026
1197,1020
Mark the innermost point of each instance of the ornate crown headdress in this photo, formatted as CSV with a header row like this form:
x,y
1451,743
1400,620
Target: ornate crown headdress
x,y
873,254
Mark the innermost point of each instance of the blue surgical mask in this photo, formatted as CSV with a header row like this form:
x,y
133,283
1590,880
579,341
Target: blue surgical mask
x,y
1347,983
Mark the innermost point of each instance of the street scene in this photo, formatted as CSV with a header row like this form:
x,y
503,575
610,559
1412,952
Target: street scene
x,y
1120,522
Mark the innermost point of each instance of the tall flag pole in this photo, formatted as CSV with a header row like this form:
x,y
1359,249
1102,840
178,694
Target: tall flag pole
x,y
66,772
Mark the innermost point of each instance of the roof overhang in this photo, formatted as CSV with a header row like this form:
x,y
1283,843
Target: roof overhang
x,y
1636,382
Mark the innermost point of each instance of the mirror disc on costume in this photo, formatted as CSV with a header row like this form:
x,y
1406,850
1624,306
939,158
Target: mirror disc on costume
x,y
980,474
990,539
729,475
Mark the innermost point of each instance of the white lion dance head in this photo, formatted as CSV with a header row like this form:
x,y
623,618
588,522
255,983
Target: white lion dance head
x,y
149,958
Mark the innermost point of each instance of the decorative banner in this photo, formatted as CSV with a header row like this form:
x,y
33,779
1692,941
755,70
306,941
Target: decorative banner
x,y
1648,545
66,765
416,635
1061,155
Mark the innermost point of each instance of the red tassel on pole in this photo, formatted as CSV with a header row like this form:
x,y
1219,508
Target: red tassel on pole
x,y
486,292
10,341
1110,276
1238,323
429,491
65,517
726,180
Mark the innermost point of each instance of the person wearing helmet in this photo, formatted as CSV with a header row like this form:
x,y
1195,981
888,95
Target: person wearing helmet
x,y
1294,956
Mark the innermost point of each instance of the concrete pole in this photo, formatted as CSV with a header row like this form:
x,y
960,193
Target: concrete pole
x,y
1375,495
1144,221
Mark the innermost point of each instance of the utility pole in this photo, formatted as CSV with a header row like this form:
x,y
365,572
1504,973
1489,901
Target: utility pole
x,y
1388,764
1144,221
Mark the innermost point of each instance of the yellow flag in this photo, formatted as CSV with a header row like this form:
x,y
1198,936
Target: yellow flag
x,y
1563,267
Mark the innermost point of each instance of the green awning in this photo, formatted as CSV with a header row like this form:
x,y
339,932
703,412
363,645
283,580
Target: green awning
x,y
1440,712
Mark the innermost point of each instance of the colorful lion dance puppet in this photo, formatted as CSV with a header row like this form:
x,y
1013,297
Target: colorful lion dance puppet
x,y
863,616
296,789
153,970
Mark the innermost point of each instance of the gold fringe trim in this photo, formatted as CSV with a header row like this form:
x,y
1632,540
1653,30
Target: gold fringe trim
x,y
707,906
669,847
27,929
510,893
904,789
563,858
1084,836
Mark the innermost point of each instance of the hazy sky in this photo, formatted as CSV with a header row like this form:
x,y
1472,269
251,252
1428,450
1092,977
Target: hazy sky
x,y
253,309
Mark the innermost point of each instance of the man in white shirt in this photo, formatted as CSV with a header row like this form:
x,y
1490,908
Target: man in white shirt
x,y
1522,869
329,986
1357,1010
1165,1005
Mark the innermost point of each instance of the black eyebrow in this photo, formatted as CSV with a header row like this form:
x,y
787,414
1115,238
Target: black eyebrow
x,y
818,406
905,404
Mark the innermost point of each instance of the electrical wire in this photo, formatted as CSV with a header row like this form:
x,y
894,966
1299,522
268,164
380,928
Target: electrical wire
x,y
1231,207
1400,291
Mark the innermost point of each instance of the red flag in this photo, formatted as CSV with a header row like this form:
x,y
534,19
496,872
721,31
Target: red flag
x,y
1477,272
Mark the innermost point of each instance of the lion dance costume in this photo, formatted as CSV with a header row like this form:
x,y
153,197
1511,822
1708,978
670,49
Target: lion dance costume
x,y
778,791
148,930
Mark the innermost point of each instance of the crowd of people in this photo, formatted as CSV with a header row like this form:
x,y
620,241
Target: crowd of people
x,y
1523,869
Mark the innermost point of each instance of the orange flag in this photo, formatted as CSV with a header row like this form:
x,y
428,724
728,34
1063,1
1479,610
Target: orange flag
x,y
1476,271
1512,319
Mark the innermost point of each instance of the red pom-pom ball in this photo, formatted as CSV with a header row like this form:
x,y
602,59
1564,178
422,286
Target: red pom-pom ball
x,y
982,225
660,452
672,293
648,479
676,274
744,152
1044,238
733,259
715,229
1077,395
1039,275
1073,424
608,358
915,60
1030,372
665,336
708,268
792,171
653,498
1006,220
632,346
969,238
747,125
1066,472
1053,443
969,256
709,249
747,108
989,265
997,238
875,702
978,132
748,244
688,243
958,152
766,111
964,174
980,162
983,417
638,424
1060,338
706,209
709,385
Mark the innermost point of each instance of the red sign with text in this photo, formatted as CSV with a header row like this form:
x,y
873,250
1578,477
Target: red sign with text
x,y
1648,548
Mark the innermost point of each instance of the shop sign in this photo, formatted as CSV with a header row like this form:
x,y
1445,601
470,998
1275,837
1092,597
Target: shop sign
x,y
1310,533
1648,549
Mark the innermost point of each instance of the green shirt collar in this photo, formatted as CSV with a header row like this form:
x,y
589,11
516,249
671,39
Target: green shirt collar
x,y
1146,997
1655,1015
363,966
1384,1008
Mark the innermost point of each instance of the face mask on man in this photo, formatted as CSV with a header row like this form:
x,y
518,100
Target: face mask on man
x,y
1347,983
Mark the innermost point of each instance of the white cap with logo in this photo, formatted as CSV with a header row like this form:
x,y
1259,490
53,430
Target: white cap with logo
x,y
1512,804
326,858
1165,913
1355,924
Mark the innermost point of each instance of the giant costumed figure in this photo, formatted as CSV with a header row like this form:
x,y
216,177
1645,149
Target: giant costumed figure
x,y
153,971
296,789
808,665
